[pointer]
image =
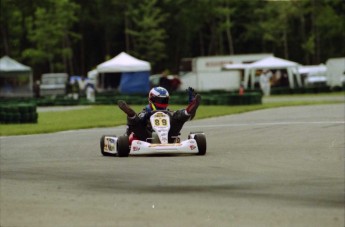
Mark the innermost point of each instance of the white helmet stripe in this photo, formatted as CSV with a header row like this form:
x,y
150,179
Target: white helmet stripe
x,y
159,92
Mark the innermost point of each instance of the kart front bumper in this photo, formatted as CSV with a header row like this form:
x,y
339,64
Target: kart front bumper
x,y
188,147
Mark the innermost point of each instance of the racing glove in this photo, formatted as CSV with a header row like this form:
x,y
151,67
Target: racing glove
x,y
191,94
194,101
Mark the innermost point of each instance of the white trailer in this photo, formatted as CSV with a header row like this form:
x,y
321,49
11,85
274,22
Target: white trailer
x,y
313,75
206,74
53,84
335,72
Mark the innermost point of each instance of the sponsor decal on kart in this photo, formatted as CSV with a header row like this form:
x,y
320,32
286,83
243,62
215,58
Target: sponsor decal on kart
x,y
159,114
135,148
192,147
109,144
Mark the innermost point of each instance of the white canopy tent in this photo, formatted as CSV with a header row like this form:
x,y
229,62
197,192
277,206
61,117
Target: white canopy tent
x,y
127,72
92,76
8,64
16,79
273,63
123,63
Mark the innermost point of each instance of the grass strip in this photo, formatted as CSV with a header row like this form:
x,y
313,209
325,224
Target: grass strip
x,y
110,116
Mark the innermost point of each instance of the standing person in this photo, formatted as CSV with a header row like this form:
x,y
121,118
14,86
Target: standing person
x,y
75,90
241,89
175,83
90,92
68,89
159,100
164,81
37,89
265,83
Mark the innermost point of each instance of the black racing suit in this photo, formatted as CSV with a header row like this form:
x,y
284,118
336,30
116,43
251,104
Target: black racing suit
x,y
141,127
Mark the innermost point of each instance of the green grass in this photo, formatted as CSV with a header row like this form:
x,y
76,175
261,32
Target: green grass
x,y
110,116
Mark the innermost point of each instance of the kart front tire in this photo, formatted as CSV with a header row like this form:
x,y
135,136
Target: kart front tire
x,y
123,146
102,147
201,142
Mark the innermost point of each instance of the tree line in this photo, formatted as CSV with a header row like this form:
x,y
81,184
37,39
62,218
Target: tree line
x,y
75,36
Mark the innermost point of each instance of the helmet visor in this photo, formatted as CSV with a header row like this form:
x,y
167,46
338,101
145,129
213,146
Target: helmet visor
x,y
160,100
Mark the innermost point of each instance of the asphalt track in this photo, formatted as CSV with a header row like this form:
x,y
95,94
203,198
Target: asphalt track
x,y
275,167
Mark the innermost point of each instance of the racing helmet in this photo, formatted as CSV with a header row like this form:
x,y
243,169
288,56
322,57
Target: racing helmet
x,y
159,97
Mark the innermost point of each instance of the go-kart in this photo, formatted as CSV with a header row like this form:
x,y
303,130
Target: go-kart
x,y
122,146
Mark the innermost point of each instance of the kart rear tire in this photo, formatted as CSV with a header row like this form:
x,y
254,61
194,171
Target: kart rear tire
x,y
201,142
123,146
102,147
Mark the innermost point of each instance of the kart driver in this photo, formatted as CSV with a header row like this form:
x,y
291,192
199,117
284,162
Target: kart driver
x,y
138,124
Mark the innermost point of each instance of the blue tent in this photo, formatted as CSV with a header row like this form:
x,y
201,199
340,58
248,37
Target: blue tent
x,y
135,82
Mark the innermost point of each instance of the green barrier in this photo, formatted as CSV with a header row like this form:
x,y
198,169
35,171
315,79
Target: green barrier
x,y
236,99
18,113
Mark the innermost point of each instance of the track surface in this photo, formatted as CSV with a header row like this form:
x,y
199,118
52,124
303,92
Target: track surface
x,y
276,167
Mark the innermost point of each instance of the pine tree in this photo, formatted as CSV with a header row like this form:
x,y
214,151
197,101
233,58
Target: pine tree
x,y
144,28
